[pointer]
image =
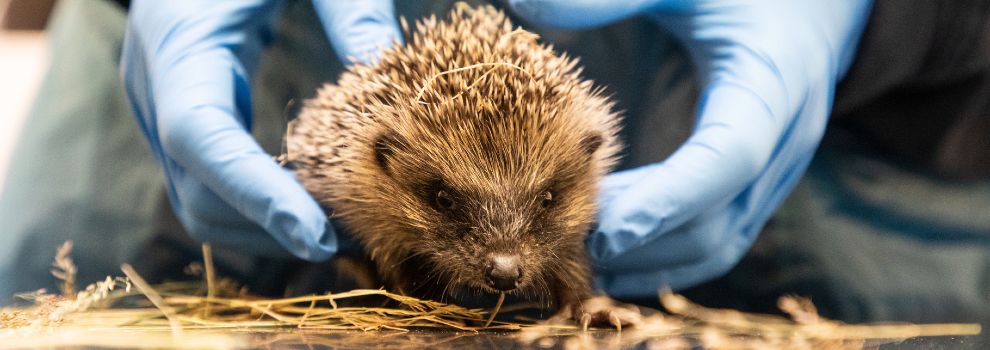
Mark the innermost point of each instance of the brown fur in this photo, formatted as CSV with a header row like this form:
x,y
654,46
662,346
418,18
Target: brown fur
x,y
509,121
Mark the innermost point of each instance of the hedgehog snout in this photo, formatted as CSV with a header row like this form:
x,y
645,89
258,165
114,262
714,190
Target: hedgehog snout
x,y
503,271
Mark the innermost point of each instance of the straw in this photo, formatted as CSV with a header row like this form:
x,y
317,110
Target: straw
x,y
223,306
498,305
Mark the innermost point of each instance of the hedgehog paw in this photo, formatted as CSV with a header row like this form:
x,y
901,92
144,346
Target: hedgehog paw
x,y
599,311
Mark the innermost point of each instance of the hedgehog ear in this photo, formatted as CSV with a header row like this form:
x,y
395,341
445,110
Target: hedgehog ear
x,y
385,146
592,142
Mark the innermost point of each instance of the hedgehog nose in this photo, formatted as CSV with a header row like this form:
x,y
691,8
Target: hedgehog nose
x,y
503,272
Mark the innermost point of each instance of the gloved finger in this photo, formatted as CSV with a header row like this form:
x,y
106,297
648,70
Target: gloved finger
x,y
616,183
223,225
159,32
582,13
706,247
200,130
644,284
686,244
359,28
738,130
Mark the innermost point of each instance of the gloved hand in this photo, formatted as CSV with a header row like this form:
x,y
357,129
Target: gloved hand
x,y
186,67
768,71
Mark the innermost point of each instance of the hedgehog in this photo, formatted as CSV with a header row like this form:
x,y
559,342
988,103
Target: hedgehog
x,y
466,160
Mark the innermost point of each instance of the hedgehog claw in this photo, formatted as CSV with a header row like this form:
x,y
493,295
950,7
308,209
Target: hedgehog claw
x,y
585,321
615,321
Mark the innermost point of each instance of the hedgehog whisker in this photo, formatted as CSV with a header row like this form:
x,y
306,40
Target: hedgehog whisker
x,y
413,255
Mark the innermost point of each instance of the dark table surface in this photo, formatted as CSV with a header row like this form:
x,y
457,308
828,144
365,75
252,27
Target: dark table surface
x,y
511,340
320,339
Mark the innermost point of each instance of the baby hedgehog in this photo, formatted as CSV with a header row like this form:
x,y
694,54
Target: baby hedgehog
x,y
466,160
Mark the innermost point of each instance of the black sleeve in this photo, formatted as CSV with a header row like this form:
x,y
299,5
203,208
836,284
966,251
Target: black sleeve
x,y
920,84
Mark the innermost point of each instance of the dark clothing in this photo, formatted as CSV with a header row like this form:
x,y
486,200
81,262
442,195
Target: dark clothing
x,y
920,85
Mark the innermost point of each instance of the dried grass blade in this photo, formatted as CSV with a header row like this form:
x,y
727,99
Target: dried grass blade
x,y
154,297
498,306
422,90
211,286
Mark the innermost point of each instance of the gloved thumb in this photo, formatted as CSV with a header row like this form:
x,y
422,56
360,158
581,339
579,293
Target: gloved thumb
x,y
358,30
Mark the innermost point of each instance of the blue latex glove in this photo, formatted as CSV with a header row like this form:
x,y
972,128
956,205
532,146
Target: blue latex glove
x,y
768,70
186,66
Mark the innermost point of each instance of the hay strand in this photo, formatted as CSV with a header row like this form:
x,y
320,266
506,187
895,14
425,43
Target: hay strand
x,y
422,90
154,297
64,269
211,285
498,305
222,307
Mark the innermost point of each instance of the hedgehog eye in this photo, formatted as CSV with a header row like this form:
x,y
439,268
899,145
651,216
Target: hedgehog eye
x,y
546,199
443,200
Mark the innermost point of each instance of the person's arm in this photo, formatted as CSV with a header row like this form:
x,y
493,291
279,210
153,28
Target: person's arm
x,y
186,67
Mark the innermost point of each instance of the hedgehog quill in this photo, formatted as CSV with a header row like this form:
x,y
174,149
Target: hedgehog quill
x,y
466,160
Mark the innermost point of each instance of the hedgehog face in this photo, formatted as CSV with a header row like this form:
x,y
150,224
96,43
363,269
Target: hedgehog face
x,y
492,206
